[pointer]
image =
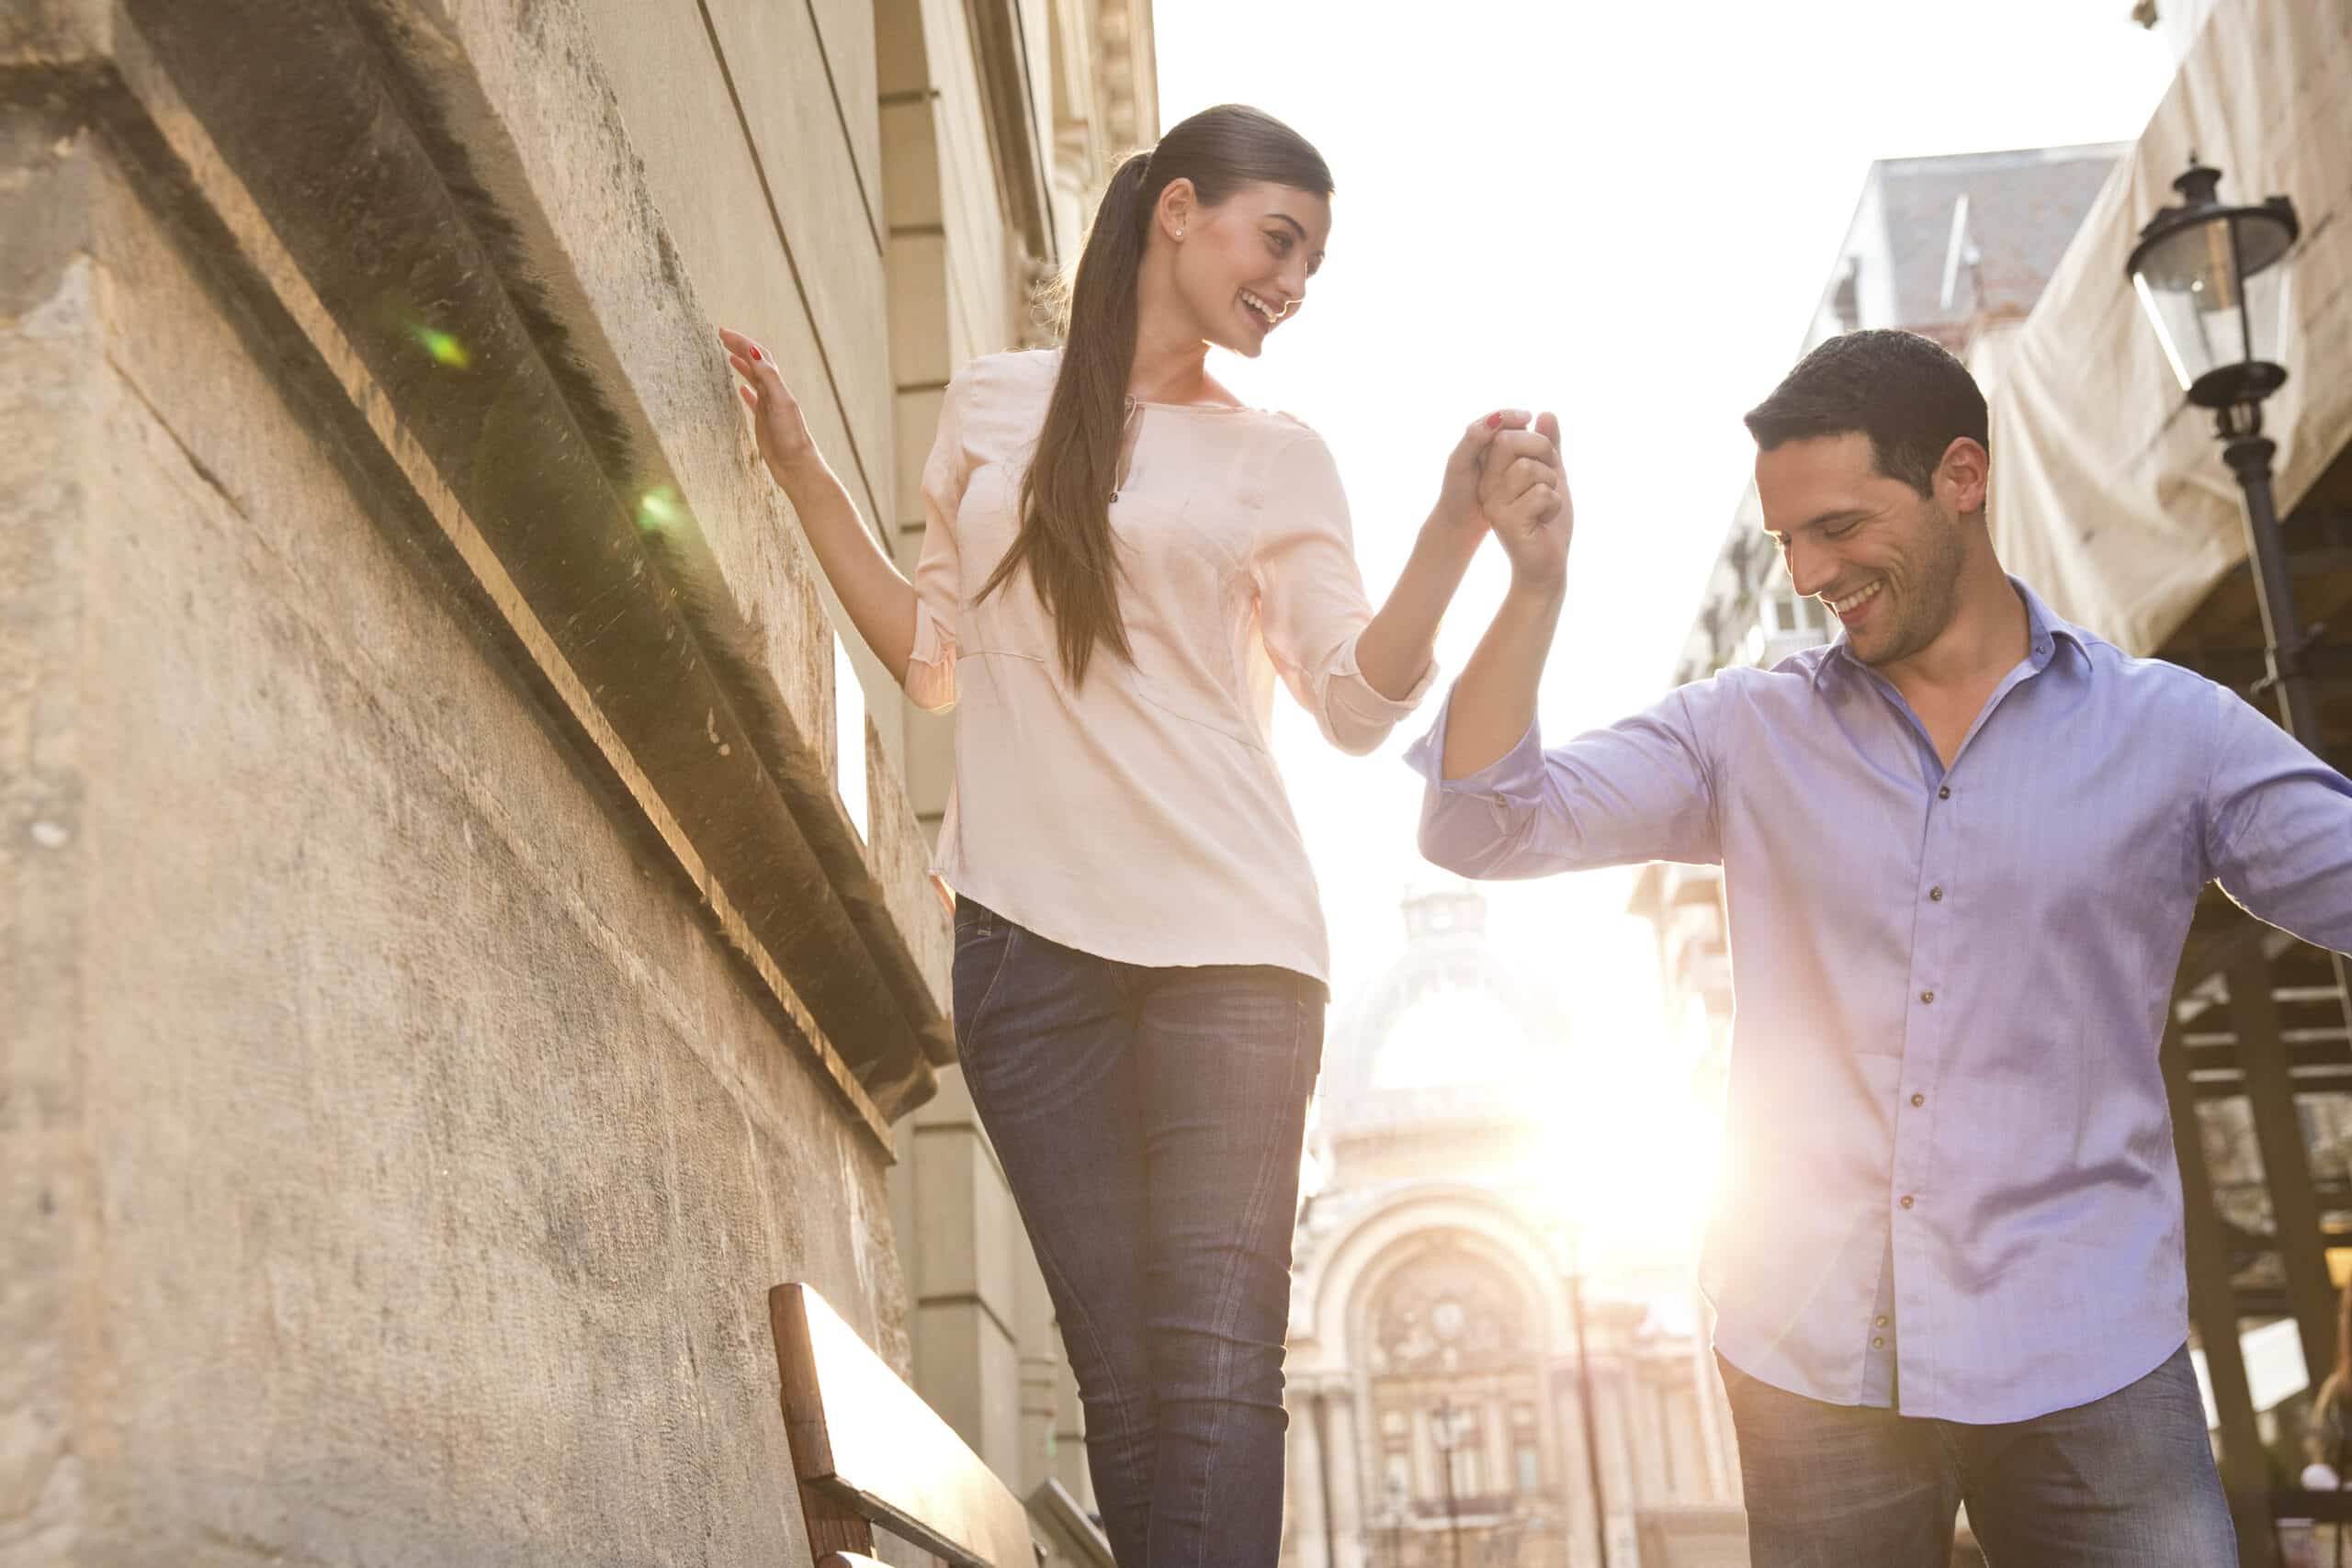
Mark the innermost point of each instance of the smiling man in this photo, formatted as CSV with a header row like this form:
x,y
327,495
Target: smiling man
x,y
1961,846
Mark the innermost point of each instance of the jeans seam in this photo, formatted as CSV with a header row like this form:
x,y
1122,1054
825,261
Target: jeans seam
x,y
1229,1290
1003,962
1048,1261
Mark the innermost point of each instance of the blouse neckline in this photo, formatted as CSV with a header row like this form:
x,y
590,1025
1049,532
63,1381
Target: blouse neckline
x,y
1196,407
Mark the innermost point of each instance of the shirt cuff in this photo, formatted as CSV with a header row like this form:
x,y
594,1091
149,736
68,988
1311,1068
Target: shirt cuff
x,y
931,666
1516,776
1351,712
1348,691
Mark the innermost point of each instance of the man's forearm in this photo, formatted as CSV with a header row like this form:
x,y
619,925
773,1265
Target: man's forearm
x,y
1494,702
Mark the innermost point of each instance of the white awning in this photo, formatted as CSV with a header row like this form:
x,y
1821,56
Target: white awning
x,y
2110,494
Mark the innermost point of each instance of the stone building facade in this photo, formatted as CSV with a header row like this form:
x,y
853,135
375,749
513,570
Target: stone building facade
x,y
1435,1385
466,933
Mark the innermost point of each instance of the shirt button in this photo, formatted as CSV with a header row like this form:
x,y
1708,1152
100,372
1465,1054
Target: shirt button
x,y
1919,1099
1880,1320
1909,1199
1877,1343
1927,996
1935,895
1944,794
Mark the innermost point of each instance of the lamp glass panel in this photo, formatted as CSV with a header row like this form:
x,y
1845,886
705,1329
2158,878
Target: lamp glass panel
x,y
2262,241
2189,285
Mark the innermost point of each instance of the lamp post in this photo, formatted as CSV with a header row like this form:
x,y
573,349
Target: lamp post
x,y
1445,1431
1572,1266
2209,277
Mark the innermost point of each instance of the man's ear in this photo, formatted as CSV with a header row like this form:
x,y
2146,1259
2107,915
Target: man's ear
x,y
1964,476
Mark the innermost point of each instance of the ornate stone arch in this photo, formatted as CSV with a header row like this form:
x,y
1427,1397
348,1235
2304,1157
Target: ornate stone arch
x,y
1483,1222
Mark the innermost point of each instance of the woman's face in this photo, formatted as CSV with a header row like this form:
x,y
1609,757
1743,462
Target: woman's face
x,y
1241,266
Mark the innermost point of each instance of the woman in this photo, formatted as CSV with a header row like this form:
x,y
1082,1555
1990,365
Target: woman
x,y
2328,1444
1118,559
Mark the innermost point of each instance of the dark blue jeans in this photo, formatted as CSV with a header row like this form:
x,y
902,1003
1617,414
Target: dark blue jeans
x,y
1149,1122
2125,1482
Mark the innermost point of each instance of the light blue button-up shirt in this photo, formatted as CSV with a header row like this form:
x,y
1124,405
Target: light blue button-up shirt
x,y
1945,1108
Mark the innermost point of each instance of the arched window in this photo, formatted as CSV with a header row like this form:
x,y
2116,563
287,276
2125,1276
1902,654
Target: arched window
x,y
1456,1379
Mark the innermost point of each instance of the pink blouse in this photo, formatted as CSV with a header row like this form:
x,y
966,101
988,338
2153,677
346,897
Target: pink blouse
x,y
1140,818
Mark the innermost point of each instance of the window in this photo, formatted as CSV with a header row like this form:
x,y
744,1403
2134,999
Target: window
x,y
1526,1457
1397,1475
849,739
1469,1451
1845,298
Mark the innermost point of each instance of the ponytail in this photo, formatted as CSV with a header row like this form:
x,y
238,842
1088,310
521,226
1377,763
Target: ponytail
x,y
1065,533
1065,538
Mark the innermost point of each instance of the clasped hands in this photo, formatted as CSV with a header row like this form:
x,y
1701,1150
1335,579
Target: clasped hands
x,y
1506,477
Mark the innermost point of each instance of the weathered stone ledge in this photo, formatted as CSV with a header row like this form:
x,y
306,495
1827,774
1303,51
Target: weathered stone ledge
x,y
495,338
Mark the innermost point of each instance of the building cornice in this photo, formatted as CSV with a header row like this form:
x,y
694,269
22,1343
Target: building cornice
x,y
485,345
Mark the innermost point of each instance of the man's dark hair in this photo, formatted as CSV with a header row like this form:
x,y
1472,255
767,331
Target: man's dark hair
x,y
1906,393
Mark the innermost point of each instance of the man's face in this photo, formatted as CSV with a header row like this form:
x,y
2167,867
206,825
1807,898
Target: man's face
x,y
1884,558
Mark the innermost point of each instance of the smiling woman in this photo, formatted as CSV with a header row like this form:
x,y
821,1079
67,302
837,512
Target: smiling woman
x,y
1119,559
1245,189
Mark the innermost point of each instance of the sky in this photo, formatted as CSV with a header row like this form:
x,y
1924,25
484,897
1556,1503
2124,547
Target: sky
x,y
1623,213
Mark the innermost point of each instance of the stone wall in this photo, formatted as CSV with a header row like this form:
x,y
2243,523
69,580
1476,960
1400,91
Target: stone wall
x,y
441,989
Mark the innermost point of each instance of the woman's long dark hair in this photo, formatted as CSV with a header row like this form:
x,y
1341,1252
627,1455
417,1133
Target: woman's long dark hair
x,y
1065,536
2331,1418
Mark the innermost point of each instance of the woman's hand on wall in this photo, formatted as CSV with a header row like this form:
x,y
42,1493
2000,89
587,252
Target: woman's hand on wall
x,y
781,428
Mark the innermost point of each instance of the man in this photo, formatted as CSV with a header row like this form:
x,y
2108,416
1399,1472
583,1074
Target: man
x,y
1960,848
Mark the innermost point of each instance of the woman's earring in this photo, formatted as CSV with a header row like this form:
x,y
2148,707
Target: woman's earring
x,y
1179,233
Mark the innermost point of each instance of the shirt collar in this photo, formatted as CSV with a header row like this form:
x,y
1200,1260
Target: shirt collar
x,y
2044,632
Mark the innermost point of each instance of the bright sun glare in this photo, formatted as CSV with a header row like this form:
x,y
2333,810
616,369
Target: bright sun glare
x,y
1631,1147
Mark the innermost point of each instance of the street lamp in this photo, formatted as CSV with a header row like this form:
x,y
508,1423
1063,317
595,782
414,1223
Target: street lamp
x,y
2209,277
1572,1266
1445,1429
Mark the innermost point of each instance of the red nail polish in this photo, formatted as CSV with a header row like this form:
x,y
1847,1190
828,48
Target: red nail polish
x,y
1494,422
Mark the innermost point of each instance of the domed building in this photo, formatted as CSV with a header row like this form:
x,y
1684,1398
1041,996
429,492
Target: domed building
x,y
1438,1418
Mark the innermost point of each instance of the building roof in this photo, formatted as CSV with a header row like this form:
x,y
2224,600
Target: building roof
x,y
1447,1033
1972,235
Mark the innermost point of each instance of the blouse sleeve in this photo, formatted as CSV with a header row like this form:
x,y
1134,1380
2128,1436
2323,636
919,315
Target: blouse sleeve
x,y
930,678
1311,604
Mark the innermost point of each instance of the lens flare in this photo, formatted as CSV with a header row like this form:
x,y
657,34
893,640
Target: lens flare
x,y
444,347
660,509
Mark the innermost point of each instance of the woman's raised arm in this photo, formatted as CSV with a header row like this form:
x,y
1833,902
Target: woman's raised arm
x,y
879,599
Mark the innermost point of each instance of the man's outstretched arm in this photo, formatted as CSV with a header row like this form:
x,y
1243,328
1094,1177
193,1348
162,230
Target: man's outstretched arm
x,y
1493,705
1498,805
2278,827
